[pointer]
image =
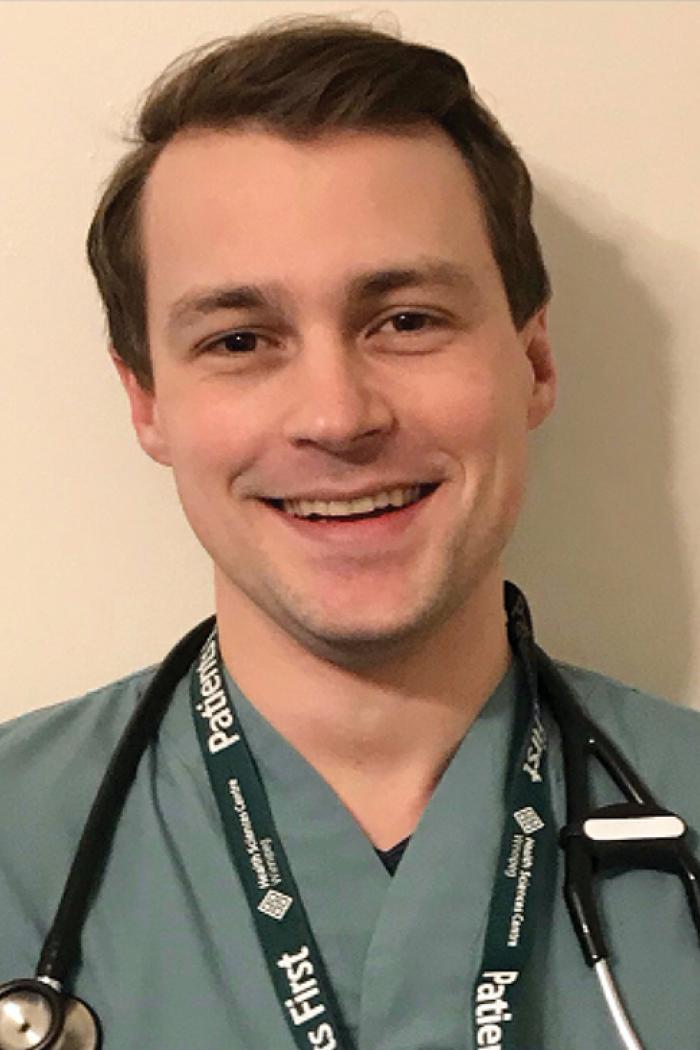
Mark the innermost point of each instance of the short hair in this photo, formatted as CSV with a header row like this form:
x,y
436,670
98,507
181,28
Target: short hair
x,y
301,77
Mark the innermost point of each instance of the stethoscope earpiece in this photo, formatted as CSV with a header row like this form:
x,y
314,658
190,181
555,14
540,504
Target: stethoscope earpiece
x,y
35,1016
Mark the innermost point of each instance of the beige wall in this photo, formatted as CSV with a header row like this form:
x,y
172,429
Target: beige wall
x,y
100,571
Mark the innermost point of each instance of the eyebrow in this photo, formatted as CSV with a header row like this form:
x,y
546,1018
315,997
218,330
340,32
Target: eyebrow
x,y
362,287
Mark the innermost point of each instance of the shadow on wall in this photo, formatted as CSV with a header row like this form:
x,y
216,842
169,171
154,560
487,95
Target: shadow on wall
x,y
597,547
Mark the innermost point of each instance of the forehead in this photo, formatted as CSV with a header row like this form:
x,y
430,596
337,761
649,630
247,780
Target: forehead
x,y
219,206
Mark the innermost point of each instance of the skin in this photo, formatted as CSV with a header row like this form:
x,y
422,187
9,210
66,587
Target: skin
x,y
373,660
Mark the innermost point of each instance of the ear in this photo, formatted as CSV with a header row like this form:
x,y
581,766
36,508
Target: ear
x,y
538,351
144,414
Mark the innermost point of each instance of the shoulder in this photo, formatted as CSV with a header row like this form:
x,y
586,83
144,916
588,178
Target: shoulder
x,y
627,709
96,710
660,739
57,754
52,762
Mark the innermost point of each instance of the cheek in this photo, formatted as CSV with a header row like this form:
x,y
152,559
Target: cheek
x,y
210,442
479,413
481,423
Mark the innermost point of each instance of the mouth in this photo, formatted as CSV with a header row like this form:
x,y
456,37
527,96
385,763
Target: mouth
x,y
305,511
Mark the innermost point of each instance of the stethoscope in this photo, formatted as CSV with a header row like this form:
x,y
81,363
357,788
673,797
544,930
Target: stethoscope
x,y
36,1013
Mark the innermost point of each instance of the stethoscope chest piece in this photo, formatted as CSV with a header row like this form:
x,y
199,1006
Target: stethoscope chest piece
x,y
34,1016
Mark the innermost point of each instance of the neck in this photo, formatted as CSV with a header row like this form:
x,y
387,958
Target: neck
x,y
386,732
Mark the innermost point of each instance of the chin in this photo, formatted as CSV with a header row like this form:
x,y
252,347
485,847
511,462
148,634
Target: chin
x,y
354,642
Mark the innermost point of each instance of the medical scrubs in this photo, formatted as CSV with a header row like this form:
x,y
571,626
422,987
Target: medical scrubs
x,y
170,959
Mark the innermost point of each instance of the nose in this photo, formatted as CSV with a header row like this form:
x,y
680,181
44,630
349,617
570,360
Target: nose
x,y
334,400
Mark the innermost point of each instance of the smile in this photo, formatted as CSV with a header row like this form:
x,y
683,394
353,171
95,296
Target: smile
x,y
380,503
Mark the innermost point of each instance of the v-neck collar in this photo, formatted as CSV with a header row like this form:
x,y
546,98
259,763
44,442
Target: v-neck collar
x,y
368,923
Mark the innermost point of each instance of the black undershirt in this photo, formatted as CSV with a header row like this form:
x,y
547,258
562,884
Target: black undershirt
x,y
391,857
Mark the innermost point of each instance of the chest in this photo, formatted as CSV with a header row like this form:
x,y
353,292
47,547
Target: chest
x,y
171,945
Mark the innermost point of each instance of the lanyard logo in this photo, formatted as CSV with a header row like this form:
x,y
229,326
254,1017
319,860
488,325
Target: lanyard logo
x,y
275,904
528,819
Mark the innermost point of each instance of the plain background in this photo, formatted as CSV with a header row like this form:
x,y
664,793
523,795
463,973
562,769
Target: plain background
x,y
100,572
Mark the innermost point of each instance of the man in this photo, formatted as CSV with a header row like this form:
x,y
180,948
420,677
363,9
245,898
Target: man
x,y
328,309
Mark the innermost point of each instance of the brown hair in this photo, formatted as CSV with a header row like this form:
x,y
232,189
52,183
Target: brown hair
x,y
301,76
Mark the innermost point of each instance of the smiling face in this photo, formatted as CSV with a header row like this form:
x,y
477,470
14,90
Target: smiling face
x,y
340,382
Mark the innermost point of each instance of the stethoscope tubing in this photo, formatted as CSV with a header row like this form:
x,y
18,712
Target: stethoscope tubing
x,y
581,738
61,949
628,1037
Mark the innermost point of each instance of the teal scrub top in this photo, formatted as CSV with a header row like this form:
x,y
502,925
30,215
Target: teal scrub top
x,y
170,958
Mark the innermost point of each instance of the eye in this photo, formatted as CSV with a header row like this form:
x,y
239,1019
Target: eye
x,y
237,342
244,341
433,322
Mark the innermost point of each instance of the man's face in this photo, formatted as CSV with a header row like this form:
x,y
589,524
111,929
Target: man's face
x,y
321,394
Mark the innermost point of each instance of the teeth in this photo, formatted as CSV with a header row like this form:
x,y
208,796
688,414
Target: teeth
x,y
303,508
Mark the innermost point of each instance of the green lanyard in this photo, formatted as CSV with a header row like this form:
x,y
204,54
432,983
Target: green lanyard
x,y
297,970
524,878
